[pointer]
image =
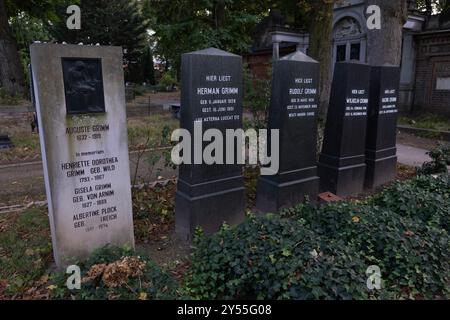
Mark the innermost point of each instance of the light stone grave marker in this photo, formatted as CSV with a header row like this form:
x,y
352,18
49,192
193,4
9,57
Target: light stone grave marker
x,y
80,103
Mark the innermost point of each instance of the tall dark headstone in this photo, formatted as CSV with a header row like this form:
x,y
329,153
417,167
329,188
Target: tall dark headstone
x,y
381,151
342,161
211,94
293,111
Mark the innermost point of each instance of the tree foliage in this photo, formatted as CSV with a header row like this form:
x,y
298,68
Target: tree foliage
x,y
25,16
186,25
104,22
432,6
43,9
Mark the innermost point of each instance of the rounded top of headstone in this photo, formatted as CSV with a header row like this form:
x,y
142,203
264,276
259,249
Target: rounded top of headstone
x,y
213,52
299,56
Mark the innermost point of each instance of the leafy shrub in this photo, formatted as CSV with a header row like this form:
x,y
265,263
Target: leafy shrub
x,y
117,273
323,253
167,81
413,257
424,198
272,258
440,160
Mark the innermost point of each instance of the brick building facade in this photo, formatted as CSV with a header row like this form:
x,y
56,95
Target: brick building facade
x,y
432,74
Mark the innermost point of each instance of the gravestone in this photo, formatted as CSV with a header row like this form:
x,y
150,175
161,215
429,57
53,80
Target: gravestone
x,y
80,103
211,95
381,151
293,111
342,161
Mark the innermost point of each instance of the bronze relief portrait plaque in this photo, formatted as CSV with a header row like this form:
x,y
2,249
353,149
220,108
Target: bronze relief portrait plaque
x,y
83,85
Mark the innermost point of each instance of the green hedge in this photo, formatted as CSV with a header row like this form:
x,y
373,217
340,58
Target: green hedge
x,y
272,258
303,253
309,253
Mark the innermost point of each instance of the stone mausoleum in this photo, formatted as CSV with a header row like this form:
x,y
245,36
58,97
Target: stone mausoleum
x,y
425,65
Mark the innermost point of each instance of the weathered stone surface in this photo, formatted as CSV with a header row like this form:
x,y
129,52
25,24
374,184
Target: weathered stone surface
x,y
85,156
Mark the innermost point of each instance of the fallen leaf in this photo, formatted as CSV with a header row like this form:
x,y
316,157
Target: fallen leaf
x,y
409,233
143,296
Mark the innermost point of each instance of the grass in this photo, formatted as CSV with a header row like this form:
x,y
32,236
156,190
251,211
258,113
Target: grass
x,y
26,144
29,142
148,131
7,100
428,121
25,250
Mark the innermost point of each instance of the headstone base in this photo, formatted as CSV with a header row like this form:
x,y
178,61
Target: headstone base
x,y
342,181
381,167
208,211
274,196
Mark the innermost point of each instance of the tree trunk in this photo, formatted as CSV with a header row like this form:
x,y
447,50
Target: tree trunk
x,y
219,14
12,77
321,29
428,7
385,44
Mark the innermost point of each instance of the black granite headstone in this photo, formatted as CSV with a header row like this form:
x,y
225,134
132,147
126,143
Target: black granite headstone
x,y
381,151
342,161
211,94
293,111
